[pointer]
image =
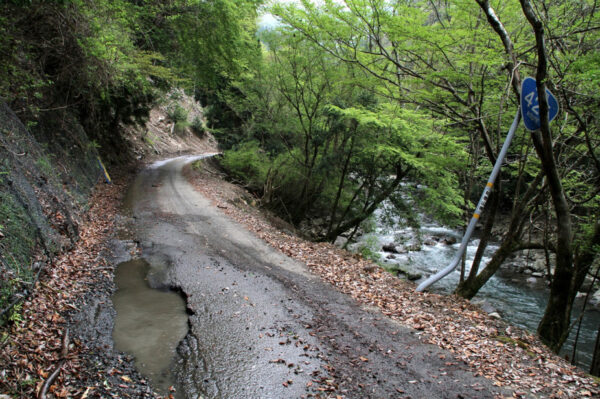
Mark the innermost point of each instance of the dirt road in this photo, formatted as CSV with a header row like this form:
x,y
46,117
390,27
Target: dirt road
x,y
260,325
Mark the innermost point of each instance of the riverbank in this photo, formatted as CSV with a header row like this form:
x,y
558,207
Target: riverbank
x,y
517,293
509,356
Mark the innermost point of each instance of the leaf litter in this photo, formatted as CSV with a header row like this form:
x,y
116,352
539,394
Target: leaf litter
x,y
509,356
32,349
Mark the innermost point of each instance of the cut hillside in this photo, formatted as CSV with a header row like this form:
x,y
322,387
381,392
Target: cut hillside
x,y
47,174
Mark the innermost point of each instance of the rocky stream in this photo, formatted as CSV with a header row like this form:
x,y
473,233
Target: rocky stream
x,y
517,293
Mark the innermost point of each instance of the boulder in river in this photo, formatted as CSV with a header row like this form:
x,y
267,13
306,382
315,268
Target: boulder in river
x,y
449,240
413,246
391,247
430,242
410,275
595,299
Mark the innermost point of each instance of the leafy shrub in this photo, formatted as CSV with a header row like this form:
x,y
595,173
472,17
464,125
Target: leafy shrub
x,y
177,113
198,126
180,127
369,248
247,163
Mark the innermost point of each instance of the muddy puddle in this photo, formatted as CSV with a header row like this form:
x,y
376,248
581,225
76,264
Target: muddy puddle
x,y
150,323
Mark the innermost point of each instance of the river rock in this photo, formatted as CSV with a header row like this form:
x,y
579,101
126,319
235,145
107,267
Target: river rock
x,y
410,275
413,246
537,274
391,256
430,242
595,299
391,247
484,305
449,240
340,242
539,264
531,280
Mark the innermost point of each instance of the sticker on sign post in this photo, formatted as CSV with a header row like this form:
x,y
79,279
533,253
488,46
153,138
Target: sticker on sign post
x,y
530,106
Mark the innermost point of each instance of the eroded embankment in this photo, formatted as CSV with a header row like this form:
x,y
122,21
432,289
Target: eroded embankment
x,y
73,295
44,185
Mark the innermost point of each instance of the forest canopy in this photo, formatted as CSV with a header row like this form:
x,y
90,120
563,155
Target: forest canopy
x,y
353,103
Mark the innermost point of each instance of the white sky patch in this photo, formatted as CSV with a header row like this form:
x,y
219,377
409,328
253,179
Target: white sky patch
x,y
268,21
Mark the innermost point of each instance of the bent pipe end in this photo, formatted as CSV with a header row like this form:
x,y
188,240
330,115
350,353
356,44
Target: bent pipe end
x,y
438,276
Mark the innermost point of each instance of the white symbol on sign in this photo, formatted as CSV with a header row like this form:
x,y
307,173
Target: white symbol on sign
x,y
531,98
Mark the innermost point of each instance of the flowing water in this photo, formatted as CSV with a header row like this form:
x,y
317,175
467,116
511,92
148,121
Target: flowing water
x,y
517,297
149,323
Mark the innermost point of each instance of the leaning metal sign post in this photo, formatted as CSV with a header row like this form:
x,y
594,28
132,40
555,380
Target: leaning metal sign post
x,y
529,109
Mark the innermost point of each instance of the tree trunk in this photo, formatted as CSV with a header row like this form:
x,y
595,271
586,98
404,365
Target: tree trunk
x,y
554,326
595,368
370,208
469,288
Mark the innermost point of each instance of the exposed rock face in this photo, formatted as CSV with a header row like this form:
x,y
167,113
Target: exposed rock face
x,y
44,183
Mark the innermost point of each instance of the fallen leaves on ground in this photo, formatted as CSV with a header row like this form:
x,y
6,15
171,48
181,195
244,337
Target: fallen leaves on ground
x,y
509,356
33,346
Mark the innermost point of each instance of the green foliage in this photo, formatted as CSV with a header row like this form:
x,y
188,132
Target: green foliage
x,y
15,315
46,168
215,40
247,163
177,113
180,127
198,126
369,248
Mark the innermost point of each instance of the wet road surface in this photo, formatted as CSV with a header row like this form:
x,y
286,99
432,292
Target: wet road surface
x,y
260,325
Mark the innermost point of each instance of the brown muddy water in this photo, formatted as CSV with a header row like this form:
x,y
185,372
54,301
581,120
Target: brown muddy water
x,y
150,323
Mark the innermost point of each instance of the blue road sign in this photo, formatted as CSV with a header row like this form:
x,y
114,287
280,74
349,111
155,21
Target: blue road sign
x,y
530,107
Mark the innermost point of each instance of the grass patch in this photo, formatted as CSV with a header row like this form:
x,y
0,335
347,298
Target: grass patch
x,y
198,126
149,139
